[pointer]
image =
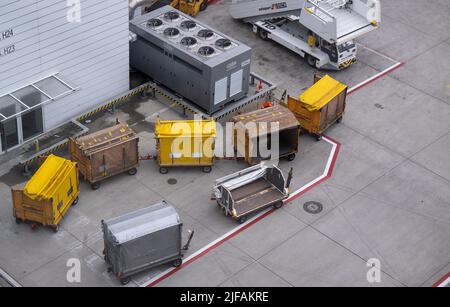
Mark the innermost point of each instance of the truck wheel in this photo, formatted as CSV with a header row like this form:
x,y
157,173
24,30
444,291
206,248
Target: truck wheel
x,y
177,263
263,34
242,219
206,169
95,186
278,204
163,170
132,171
291,157
312,61
125,281
204,5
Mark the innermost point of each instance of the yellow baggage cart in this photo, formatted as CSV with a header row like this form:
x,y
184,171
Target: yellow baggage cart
x,y
185,143
320,106
49,194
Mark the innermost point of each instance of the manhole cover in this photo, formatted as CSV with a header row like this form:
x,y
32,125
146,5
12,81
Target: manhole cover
x,y
172,181
313,207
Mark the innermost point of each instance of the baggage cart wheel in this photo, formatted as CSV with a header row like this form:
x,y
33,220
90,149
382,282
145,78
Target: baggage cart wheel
x,y
207,169
318,137
278,204
311,60
177,263
132,171
204,5
339,120
75,202
18,221
291,157
55,228
163,170
263,34
125,281
242,219
95,186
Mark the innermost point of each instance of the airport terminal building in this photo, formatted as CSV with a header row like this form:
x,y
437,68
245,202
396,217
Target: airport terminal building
x,y
56,64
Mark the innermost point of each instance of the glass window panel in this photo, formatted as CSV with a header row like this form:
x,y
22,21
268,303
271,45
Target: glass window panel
x,y
53,87
9,106
30,96
32,123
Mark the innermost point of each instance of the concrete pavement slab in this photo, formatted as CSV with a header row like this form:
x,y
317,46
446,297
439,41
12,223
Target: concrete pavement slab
x,y
93,271
399,117
429,17
436,157
311,259
411,187
410,246
255,275
213,269
429,73
267,234
398,40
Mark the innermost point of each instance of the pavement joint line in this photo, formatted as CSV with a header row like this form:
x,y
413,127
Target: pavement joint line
x,y
378,53
443,282
238,229
9,279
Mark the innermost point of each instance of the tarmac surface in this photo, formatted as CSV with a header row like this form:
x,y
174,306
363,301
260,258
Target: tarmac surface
x,y
383,179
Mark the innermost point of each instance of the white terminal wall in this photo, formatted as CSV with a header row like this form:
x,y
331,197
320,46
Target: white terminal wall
x,y
92,54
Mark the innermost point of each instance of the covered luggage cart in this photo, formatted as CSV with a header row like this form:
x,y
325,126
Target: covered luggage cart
x,y
185,143
143,239
320,106
255,130
49,194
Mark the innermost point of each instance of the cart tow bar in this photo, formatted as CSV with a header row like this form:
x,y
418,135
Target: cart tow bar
x,y
186,246
289,179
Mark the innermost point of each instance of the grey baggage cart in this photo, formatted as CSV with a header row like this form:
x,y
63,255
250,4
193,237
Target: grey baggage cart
x,y
250,190
143,239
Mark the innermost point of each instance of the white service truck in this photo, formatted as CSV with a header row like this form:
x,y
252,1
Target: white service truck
x,y
321,31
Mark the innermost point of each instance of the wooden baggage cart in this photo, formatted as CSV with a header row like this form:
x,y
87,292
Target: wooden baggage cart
x,y
49,194
253,130
320,106
106,153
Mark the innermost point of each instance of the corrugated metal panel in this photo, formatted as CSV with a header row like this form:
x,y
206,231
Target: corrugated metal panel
x,y
93,54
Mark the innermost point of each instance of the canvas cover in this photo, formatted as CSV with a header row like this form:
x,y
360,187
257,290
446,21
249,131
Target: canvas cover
x,y
141,239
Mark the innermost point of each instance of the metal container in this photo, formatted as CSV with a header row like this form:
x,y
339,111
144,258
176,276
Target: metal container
x,y
49,194
320,106
106,153
142,239
250,190
185,143
197,62
249,135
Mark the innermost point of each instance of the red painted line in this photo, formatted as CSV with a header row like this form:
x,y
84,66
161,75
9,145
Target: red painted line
x,y
440,281
256,220
358,87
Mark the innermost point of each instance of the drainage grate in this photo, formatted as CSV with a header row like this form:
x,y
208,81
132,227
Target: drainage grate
x,y
172,181
313,207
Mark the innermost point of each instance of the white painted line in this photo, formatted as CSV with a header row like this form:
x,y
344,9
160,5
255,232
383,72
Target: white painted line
x,y
375,77
159,277
445,283
9,279
378,53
